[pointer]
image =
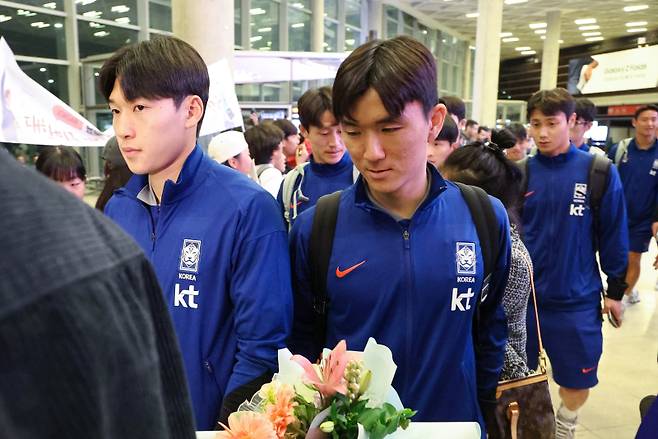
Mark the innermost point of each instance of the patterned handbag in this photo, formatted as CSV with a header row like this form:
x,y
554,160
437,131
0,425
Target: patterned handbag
x,y
523,405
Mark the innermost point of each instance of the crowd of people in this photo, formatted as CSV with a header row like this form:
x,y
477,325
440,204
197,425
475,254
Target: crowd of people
x,y
233,239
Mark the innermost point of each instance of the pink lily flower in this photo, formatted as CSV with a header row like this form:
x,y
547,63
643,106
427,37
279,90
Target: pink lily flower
x,y
330,379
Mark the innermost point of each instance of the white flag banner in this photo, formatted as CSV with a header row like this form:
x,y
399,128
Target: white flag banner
x,y
31,114
631,69
222,111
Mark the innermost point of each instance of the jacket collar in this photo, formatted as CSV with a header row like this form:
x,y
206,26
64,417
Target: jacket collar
x,y
560,158
437,186
195,170
330,170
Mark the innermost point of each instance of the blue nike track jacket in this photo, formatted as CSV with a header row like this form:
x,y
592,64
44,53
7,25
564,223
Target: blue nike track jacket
x,y
559,233
414,285
219,248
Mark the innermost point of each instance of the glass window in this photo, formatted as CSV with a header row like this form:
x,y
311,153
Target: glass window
x,y
121,11
160,15
353,12
264,25
391,12
96,38
330,36
57,5
352,38
331,9
50,76
409,22
299,31
33,34
237,19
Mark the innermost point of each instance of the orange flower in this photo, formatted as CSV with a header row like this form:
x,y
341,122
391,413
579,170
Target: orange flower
x,y
247,425
332,369
281,413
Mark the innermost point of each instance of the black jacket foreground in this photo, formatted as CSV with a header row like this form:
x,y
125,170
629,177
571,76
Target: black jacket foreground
x,y
87,348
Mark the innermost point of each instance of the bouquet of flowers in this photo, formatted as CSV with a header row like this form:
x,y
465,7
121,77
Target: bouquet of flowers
x,y
348,396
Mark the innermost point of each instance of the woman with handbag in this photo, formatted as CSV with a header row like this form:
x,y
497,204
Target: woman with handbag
x,y
523,407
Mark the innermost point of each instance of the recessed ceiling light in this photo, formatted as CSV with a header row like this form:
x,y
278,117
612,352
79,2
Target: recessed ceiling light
x,y
636,23
50,81
473,15
521,49
589,27
50,5
42,69
297,25
4,18
510,40
506,34
543,37
529,52
264,29
537,25
635,8
585,21
58,25
515,2
594,39
540,31
636,29
101,34
591,34
257,11
256,38
560,41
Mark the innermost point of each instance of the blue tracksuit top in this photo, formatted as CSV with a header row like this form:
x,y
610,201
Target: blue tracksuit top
x,y
321,179
558,231
638,172
219,248
412,294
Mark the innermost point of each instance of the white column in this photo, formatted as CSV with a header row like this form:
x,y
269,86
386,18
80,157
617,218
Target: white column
x,y
73,55
375,19
551,54
467,89
207,25
317,26
487,61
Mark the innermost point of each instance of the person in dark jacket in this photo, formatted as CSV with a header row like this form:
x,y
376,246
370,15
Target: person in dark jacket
x,y
560,234
88,347
216,240
406,265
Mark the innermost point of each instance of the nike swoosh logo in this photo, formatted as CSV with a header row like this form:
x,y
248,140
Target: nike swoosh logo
x,y
342,273
587,370
527,194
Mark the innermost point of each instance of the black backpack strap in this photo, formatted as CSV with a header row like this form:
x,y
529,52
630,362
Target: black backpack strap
x,y
319,251
523,167
599,171
486,225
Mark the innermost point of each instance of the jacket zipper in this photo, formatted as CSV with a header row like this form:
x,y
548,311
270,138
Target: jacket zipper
x,y
409,287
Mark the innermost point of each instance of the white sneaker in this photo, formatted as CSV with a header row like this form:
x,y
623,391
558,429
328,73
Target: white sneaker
x,y
565,428
634,297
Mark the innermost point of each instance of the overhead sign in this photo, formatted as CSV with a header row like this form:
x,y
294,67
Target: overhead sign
x,y
31,114
222,111
623,110
631,69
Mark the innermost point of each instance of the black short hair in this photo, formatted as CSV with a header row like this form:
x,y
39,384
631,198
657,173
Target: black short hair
x,y
449,132
484,165
263,140
61,163
519,131
551,102
288,128
312,105
585,109
164,67
471,122
644,108
483,128
401,70
455,106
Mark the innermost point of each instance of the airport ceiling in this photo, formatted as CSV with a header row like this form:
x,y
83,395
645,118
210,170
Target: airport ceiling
x,y
522,20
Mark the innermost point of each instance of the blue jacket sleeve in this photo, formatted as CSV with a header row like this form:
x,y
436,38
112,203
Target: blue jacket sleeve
x,y
260,291
613,235
612,152
302,340
491,323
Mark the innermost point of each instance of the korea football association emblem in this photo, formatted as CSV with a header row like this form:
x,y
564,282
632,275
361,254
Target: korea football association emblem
x,y
189,258
466,258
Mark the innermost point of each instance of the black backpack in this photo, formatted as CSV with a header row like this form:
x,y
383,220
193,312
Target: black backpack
x,y
599,170
322,239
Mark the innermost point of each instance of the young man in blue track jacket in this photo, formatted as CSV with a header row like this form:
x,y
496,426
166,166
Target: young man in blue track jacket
x,y
406,266
329,169
638,170
216,240
560,234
